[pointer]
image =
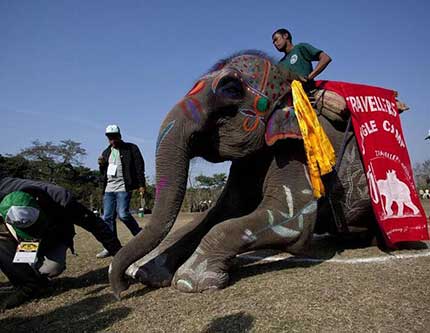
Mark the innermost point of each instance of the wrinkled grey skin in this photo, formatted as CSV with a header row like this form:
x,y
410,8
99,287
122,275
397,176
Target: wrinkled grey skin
x,y
266,203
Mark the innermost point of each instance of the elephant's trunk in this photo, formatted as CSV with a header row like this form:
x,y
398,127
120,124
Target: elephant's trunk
x,y
172,163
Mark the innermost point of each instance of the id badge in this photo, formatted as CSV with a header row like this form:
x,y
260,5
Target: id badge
x,y
111,171
26,253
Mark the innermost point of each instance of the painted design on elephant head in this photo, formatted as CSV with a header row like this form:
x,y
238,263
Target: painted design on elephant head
x,y
163,134
262,82
282,125
192,109
252,119
198,87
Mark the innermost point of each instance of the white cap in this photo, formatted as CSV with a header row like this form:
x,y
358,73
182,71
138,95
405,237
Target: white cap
x,y
112,129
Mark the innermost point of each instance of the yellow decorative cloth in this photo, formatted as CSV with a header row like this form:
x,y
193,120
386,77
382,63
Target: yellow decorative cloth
x,y
319,151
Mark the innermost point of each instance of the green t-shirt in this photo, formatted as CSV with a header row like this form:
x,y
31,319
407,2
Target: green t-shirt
x,y
299,59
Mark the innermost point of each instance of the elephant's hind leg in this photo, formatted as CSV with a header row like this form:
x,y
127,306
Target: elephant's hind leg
x,y
207,268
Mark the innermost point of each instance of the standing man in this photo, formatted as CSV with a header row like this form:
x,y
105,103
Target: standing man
x,y
123,170
298,58
40,216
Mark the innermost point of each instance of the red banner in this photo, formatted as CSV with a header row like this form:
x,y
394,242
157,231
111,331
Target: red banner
x,y
380,139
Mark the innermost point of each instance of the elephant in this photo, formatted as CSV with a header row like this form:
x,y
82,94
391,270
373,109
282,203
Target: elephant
x,y
236,112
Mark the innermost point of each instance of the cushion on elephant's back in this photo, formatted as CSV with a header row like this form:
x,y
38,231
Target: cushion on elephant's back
x,y
331,105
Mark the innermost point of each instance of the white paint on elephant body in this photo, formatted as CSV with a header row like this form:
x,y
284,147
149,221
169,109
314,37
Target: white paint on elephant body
x,y
249,236
271,219
307,176
310,208
289,198
134,267
132,270
279,229
285,232
301,219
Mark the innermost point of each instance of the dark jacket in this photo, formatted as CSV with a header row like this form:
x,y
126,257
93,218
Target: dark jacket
x,y
62,212
133,166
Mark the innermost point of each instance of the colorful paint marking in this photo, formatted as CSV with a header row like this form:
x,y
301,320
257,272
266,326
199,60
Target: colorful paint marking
x,y
197,88
163,134
161,184
192,109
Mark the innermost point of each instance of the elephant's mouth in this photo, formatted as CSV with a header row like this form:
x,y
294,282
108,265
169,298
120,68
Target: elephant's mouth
x,y
205,146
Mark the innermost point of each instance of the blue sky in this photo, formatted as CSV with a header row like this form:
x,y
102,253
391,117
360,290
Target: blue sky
x,y
69,68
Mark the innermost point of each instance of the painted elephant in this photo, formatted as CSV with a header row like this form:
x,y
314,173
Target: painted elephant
x,y
234,112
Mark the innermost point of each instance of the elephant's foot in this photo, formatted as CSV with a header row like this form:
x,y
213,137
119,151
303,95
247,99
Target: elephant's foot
x,y
198,275
152,273
154,276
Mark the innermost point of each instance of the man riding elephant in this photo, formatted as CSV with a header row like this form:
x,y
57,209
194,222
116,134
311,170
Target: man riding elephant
x,y
298,58
235,112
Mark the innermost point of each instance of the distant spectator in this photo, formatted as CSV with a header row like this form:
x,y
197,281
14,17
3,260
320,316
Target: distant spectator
x,y
123,170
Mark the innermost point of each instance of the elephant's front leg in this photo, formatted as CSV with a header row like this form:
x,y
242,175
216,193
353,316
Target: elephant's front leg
x,y
267,227
238,198
157,268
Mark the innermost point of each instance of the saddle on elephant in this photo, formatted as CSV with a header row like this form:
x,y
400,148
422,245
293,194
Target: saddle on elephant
x,y
333,105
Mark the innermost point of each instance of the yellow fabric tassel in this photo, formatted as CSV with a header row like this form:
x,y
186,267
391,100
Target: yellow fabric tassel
x,y
319,151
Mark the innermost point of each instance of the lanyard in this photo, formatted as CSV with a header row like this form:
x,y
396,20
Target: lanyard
x,y
114,153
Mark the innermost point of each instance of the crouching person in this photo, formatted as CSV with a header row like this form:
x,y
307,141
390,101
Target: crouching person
x,y
40,217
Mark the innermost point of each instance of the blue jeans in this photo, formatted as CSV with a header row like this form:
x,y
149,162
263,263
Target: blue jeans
x,y
118,204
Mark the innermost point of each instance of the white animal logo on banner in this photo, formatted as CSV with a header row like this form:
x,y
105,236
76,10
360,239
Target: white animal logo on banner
x,y
394,191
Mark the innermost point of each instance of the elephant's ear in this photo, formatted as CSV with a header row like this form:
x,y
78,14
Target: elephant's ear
x,y
282,124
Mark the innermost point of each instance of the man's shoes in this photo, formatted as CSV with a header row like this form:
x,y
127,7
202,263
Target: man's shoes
x,y
103,254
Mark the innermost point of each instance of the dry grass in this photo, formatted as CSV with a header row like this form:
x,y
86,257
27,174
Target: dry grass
x,y
263,297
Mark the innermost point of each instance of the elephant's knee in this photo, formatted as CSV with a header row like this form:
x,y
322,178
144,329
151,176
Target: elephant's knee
x,y
220,240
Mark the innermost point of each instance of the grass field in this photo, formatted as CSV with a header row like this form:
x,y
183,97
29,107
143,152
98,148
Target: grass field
x,y
340,295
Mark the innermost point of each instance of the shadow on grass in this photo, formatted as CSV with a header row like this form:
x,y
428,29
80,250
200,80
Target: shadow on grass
x,y
63,284
239,322
321,249
139,292
86,315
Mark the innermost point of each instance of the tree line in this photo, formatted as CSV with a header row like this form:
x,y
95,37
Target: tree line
x,y
61,164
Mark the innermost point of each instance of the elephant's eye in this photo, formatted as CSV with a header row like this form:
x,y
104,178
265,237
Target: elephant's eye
x,y
230,87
